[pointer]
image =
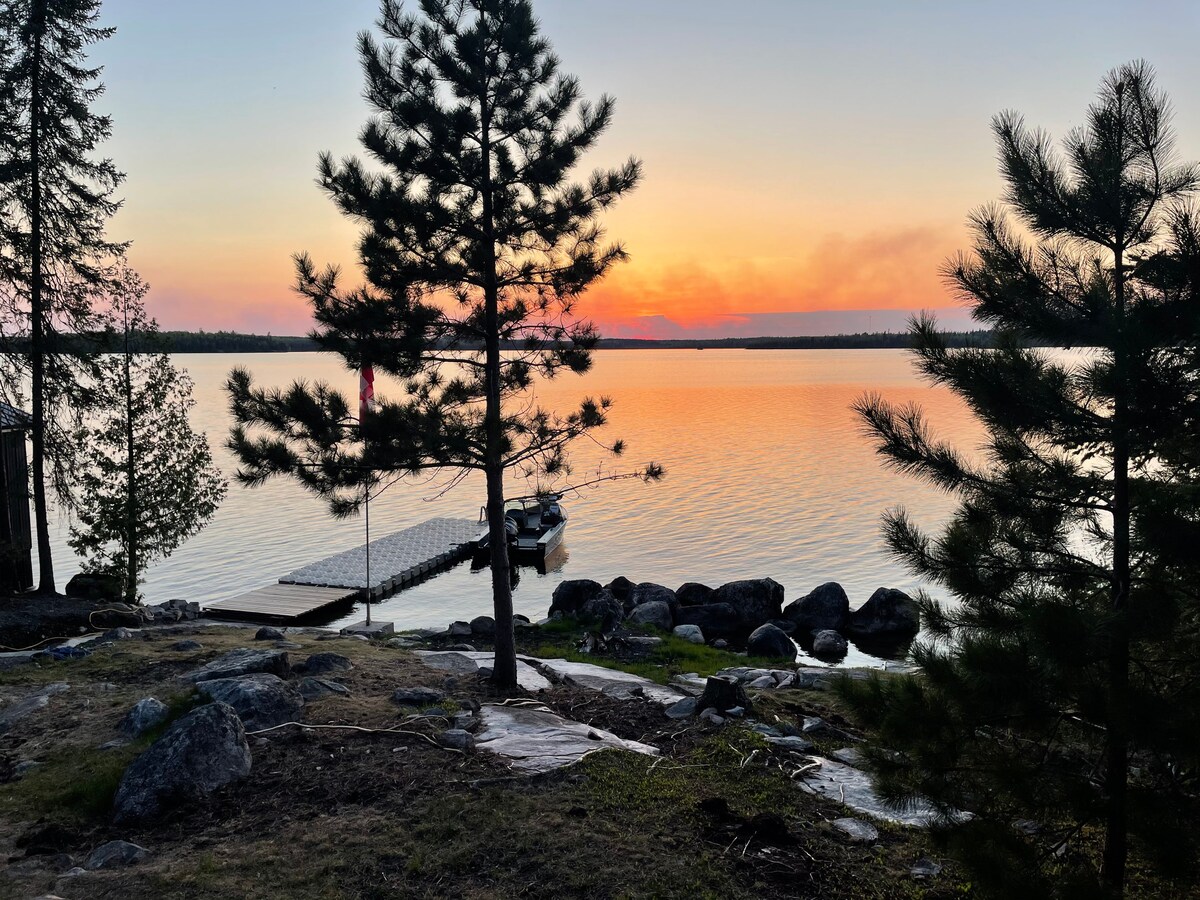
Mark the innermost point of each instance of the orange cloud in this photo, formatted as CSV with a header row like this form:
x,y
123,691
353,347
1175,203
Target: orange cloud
x,y
884,271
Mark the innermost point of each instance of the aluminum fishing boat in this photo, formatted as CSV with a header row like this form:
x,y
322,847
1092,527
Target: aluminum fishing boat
x,y
535,527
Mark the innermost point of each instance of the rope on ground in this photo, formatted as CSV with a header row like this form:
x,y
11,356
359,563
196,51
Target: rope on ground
x,y
91,625
359,728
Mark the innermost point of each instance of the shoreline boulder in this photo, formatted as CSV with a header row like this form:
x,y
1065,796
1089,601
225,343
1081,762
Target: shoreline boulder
x,y
716,620
604,612
755,601
889,614
620,587
829,644
651,593
768,640
693,593
655,613
825,608
569,597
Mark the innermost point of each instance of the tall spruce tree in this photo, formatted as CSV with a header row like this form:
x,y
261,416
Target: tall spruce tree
x,y
147,480
1060,683
475,242
56,265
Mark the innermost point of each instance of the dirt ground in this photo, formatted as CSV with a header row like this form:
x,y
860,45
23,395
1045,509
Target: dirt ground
x,y
336,812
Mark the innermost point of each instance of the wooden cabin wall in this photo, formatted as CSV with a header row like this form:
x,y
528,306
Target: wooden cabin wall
x,y
16,542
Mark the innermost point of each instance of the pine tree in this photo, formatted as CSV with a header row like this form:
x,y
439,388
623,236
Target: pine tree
x,y
1060,684
147,481
475,242
56,264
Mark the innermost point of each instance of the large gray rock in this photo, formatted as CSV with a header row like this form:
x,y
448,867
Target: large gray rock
x,y
147,713
604,612
693,593
324,663
648,592
483,626
201,752
570,596
620,587
654,613
260,700
116,855
690,633
267,633
826,607
755,601
767,640
317,688
242,662
888,615
829,644
716,620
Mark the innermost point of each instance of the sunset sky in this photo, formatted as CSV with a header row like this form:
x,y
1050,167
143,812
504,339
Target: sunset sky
x,y
809,165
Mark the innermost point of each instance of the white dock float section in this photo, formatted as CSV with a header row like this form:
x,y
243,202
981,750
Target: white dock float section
x,y
396,560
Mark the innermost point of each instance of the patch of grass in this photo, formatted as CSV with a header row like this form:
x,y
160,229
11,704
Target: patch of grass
x,y
79,783
75,784
674,656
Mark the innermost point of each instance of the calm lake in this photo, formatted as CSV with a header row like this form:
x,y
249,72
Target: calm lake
x,y
768,475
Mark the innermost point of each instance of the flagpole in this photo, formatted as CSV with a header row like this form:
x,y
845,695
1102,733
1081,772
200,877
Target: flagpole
x,y
366,398
367,508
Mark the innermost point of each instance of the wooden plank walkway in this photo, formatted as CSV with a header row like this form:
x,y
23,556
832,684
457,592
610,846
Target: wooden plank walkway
x,y
397,560
286,602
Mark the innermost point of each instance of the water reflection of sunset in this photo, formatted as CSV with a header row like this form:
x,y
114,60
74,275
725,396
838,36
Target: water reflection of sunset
x,y
768,475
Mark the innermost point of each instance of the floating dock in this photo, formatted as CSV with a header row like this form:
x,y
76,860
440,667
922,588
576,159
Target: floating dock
x,y
280,602
397,561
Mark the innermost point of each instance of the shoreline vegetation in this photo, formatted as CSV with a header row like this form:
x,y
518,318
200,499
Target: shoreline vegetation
x,y
238,342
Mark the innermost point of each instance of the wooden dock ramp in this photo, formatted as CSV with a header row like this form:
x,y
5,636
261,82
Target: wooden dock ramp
x,y
397,561
280,602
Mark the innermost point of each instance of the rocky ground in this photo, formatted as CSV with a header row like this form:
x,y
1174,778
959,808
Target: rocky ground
x,y
386,794
196,760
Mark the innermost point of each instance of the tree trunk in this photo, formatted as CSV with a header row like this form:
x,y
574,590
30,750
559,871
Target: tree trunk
x,y
1116,763
37,346
131,529
504,669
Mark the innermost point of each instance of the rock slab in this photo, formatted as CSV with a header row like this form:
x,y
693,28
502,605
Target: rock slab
x,y
201,752
242,662
260,700
116,855
533,739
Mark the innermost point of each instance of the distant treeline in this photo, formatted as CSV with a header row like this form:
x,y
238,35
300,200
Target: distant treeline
x,y
235,342
231,342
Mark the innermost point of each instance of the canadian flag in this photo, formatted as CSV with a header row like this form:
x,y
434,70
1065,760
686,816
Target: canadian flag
x,y
366,392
